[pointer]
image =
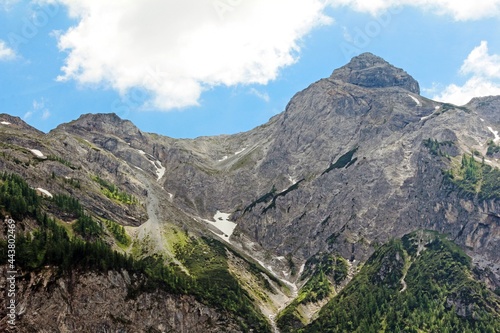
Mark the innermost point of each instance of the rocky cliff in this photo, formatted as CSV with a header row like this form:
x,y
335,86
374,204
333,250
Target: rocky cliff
x,y
95,302
355,159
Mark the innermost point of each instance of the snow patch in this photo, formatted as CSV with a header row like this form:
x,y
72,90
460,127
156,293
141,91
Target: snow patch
x,y
495,133
37,153
427,117
415,99
291,179
223,224
45,192
482,119
5,123
240,151
160,169
222,159
170,196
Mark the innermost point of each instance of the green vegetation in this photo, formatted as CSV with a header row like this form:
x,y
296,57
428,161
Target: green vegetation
x,y
492,148
440,295
68,204
113,192
49,244
334,267
435,146
344,161
321,269
317,288
85,225
118,232
206,260
71,181
475,178
16,197
259,273
62,161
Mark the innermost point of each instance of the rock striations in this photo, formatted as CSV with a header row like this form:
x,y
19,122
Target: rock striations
x,y
355,160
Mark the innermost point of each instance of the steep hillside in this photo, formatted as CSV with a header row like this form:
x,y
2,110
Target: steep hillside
x,y
263,228
421,283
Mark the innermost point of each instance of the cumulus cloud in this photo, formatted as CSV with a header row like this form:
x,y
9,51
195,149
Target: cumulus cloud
x,y
460,10
175,50
6,53
479,62
483,70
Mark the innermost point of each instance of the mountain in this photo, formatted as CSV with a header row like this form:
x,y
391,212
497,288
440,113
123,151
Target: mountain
x,y
261,230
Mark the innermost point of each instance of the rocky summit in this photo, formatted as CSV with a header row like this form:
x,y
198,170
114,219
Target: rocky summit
x,y
358,185
368,70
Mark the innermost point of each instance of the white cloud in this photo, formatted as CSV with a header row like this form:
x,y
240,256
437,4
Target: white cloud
x,y
484,71
174,50
262,95
459,9
45,114
177,49
38,106
7,4
475,87
347,35
479,62
6,53
28,115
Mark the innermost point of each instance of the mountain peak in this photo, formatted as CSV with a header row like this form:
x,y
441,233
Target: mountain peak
x,y
7,121
111,118
371,71
108,123
99,121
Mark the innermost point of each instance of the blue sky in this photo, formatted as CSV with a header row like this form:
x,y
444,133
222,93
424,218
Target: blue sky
x,y
229,65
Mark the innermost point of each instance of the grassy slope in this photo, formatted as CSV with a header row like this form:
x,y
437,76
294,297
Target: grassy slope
x,y
441,295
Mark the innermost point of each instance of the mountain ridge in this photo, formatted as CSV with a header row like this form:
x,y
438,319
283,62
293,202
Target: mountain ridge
x,y
355,160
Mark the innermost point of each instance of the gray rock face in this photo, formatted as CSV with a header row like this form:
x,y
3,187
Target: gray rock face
x,y
93,302
344,168
280,180
368,70
287,194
